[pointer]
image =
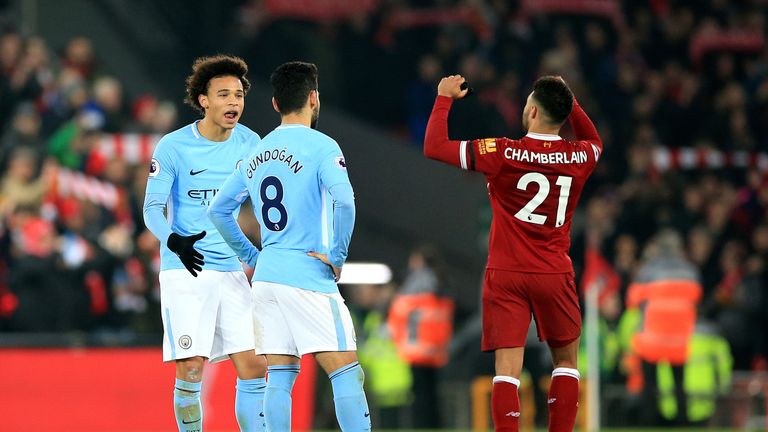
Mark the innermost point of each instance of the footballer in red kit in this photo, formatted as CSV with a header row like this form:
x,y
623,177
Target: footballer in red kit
x,y
534,184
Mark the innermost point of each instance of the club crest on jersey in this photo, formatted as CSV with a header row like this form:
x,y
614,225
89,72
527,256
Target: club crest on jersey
x,y
154,168
340,162
185,342
487,145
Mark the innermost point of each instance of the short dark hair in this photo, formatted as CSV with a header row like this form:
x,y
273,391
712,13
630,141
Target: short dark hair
x,y
291,84
204,69
554,97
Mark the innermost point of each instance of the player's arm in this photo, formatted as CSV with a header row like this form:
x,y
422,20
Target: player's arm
x,y
162,174
333,175
222,213
343,222
437,144
583,128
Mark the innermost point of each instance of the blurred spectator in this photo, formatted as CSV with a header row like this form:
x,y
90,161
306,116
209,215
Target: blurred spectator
x,y
42,298
108,101
421,323
388,376
666,290
20,187
707,377
24,132
421,94
79,56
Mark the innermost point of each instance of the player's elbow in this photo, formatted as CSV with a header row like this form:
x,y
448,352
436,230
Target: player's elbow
x,y
150,210
343,195
215,214
429,148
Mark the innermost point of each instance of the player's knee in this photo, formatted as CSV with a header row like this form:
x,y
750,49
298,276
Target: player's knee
x,y
565,352
257,367
190,370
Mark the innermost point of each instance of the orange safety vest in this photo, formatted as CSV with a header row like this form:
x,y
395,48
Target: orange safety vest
x,y
669,319
421,327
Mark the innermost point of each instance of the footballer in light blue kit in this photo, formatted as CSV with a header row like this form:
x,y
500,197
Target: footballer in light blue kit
x,y
298,184
205,297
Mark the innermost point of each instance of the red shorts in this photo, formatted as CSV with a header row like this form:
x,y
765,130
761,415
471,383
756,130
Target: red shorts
x,y
509,299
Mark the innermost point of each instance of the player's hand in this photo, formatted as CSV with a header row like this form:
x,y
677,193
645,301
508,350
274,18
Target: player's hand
x,y
451,86
324,258
184,248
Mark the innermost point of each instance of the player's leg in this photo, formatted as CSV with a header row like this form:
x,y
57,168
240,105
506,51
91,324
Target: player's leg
x,y
235,339
189,309
505,399
506,317
563,398
275,340
321,324
250,389
347,380
283,371
558,318
186,394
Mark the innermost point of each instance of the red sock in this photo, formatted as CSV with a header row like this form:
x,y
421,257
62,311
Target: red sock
x,y
563,399
505,404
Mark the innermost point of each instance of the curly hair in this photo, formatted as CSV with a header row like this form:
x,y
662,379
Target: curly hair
x,y
554,96
206,68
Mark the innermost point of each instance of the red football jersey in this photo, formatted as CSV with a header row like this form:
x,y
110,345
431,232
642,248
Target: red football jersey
x,y
534,184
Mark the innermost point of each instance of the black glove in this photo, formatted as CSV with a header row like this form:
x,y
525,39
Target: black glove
x,y
184,248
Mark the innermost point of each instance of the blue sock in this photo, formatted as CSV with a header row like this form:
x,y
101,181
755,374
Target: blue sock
x,y
186,405
277,399
348,396
249,404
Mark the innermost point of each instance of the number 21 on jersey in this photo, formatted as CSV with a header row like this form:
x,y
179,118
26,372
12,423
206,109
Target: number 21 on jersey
x,y
526,214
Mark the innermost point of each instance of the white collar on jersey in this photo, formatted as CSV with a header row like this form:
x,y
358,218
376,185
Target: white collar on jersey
x,y
193,126
543,137
291,126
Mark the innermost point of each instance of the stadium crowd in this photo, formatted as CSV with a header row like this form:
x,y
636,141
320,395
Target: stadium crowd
x,y
659,74
68,261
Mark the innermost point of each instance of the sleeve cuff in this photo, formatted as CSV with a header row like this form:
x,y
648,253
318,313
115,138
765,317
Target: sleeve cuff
x,y
443,101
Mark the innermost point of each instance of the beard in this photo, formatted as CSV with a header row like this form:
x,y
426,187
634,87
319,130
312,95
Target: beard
x,y
315,117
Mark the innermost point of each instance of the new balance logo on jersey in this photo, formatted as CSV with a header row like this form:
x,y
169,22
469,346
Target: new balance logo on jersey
x,y
513,414
551,401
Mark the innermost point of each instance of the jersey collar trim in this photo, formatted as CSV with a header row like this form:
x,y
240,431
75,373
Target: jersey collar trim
x,y
543,137
291,126
193,126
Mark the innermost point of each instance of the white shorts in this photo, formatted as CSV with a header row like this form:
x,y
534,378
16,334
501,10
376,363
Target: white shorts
x,y
209,315
295,321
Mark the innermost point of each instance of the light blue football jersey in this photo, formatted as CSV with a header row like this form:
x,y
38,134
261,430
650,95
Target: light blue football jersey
x,y
185,174
288,178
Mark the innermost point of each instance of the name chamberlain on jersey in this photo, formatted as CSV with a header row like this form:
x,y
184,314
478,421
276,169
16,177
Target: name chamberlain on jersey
x,y
523,155
273,155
